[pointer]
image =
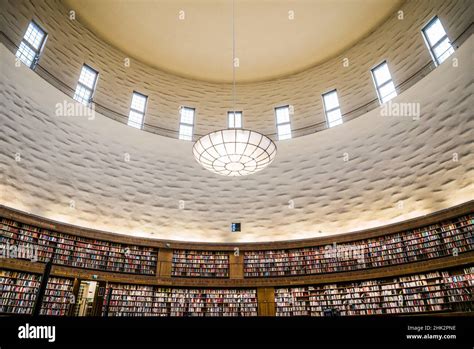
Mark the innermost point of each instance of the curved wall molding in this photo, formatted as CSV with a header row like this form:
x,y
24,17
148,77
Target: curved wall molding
x,y
70,44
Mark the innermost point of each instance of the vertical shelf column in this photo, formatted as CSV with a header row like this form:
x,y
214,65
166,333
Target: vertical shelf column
x,y
99,297
266,301
75,294
236,266
42,288
165,259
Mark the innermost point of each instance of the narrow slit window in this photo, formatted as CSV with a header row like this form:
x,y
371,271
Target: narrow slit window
x,y
31,45
332,108
437,41
186,124
234,119
383,83
86,85
283,122
136,116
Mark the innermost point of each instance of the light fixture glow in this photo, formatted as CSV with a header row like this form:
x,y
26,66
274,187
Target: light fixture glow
x,y
234,152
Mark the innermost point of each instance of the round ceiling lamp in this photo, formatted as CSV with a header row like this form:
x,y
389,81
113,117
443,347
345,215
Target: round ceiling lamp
x,y
234,151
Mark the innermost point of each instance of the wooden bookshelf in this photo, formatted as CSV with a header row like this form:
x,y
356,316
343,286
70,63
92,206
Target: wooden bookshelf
x,y
80,252
432,292
18,292
434,241
439,291
57,299
207,264
142,300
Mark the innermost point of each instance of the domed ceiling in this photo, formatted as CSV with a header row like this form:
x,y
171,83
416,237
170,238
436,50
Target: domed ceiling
x,y
194,38
105,175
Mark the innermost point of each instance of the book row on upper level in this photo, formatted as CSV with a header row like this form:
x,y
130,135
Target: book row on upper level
x,y
438,291
34,40
447,238
42,245
433,241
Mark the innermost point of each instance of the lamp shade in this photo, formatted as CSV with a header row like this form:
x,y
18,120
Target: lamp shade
x,y
234,152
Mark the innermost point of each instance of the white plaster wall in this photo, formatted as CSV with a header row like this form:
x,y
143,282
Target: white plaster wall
x,y
391,160
70,44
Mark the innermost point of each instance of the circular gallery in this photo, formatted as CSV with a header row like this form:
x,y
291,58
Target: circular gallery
x,y
280,159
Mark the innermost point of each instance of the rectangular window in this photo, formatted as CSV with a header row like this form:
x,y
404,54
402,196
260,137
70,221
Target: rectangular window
x,y
234,120
186,124
86,85
437,41
31,45
332,109
137,110
383,83
283,122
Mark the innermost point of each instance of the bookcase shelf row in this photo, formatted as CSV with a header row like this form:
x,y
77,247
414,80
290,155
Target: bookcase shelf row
x,y
76,251
19,291
137,300
439,291
433,292
437,240
433,241
210,264
57,299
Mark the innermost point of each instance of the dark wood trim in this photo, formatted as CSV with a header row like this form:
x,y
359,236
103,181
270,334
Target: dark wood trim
x,y
462,260
266,301
75,293
164,263
236,266
418,222
98,299
42,288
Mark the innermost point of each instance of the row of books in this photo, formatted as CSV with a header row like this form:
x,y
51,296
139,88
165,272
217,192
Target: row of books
x,y
305,256
438,240
78,251
57,299
211,264
130,300
18,292
409,294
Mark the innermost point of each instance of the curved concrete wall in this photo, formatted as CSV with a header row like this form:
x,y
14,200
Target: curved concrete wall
x,y
75,170
70,44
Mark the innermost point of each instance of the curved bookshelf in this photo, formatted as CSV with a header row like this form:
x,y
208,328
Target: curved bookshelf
x,y
144,277
446,234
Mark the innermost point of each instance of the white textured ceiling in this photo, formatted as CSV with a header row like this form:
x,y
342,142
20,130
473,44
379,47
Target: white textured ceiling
x,y
194,38
75,170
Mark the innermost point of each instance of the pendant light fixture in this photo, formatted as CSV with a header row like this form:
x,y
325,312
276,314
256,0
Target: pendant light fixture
x,y
234,151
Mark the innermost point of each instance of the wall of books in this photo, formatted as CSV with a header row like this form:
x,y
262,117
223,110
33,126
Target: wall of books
x,y
75,251
440,291
58,297
447,238
211,264
19,290
438,240
431,292
138,300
